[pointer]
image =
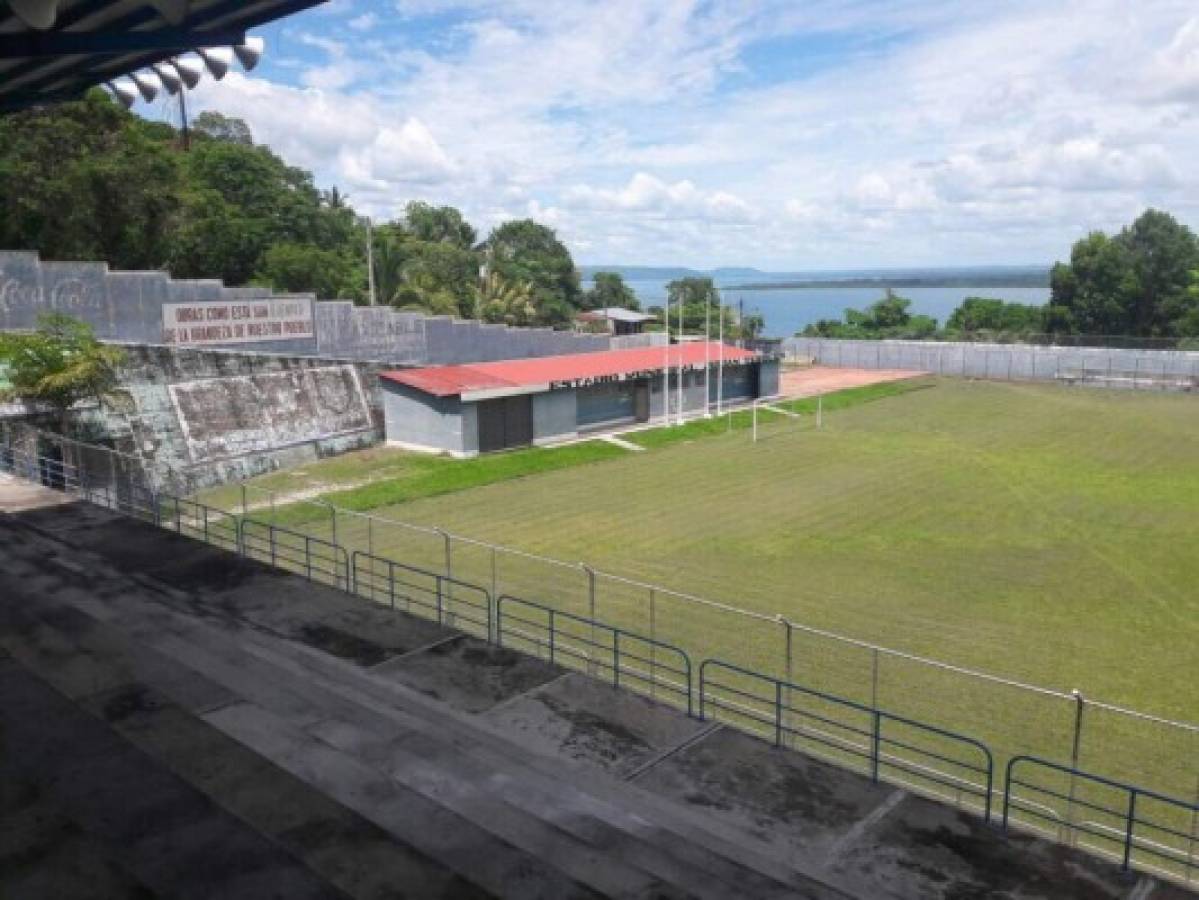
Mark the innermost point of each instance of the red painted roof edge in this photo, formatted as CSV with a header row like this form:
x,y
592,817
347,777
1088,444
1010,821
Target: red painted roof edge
x,y
448,381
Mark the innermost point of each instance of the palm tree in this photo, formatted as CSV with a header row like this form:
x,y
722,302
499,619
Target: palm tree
x,y
509,302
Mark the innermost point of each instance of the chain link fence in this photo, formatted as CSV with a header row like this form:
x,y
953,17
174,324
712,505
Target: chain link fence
x,y
1013,719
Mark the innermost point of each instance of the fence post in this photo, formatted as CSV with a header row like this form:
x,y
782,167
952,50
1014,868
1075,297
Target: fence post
x,y
1132,821
245,509
616,657
591,615
789,659
449,570
1071,836
874,678
653,647
778,714
877,741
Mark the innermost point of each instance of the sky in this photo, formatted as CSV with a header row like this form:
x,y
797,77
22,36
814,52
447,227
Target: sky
x,y
781,134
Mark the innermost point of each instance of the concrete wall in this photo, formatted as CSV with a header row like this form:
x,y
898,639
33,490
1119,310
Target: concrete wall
x,y
555,416
128,306
998,361
221,415
414,418
121,306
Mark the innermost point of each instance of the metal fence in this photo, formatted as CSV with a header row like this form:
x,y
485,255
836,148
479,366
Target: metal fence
x,y
382,559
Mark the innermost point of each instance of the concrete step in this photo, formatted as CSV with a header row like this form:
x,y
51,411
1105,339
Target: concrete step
x,y
664,853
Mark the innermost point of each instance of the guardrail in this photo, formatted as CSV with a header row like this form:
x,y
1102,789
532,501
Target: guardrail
x,y
194,519
630,658
865,737
1124,818
432,593
314,558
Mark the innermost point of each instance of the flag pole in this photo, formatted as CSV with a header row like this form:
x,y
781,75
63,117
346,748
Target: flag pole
x,y
708,356
681,304
720,368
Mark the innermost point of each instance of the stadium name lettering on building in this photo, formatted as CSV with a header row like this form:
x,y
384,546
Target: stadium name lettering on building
x,y
593,380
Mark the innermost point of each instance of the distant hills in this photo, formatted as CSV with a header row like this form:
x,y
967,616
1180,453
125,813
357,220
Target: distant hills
x,y
750,279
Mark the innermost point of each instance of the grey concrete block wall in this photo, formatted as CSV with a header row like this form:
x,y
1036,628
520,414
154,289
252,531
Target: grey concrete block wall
x,y
414,418
128,306
1007,362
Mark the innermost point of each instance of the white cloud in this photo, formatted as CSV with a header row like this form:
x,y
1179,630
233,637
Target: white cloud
x,y
919,132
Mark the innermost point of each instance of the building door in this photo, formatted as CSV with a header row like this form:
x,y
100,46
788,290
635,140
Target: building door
x,y
641,401
504,423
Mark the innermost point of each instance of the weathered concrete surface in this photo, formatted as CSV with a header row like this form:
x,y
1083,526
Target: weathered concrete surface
x,y
361,761
469,674
594,724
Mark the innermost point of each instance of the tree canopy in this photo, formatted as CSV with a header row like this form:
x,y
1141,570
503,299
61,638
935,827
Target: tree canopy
x,y
609,291
886,318
59,365
89,180
1139,282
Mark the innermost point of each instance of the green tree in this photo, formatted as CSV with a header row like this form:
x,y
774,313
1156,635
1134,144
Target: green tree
x,y
223,128
438,225
1136,283
524,251
304,268
88,180
984,314
59,365
506,302
885,318
610,291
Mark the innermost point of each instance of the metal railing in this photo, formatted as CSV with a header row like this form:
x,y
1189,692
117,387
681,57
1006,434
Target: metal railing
x,y
316,559
630,660
886,742
1117,825
197,520
1137,747
449,601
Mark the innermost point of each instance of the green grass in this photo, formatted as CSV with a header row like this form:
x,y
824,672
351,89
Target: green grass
x,y
1040,533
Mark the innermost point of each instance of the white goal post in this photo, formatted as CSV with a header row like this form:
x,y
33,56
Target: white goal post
x,y
768,404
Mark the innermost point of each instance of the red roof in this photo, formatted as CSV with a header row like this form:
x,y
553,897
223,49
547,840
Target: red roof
x,y
512,375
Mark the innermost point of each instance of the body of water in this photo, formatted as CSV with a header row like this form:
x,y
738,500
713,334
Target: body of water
x,y
788,310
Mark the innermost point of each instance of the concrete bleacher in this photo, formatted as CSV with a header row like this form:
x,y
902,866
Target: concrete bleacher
x,y
178,720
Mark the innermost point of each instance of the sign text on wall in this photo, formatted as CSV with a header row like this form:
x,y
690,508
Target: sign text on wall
x,y
237,321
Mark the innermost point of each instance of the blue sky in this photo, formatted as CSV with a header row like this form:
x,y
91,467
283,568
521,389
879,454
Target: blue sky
x,y
775,133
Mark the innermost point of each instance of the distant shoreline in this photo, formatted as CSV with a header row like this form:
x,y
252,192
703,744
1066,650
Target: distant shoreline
x,y
897,283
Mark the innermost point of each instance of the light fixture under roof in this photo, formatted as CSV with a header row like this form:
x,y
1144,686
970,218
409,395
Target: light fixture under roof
x,y
39,14
249,52
125,91
217,60
145,85
190,70
170,78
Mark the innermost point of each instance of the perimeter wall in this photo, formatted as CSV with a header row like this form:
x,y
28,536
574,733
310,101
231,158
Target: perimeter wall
x,y
1009,362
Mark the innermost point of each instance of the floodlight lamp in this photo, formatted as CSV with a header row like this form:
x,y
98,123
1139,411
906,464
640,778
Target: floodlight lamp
x,y
170,79
217,60
190,71
249,52
39,14
145,85
174,11
125,92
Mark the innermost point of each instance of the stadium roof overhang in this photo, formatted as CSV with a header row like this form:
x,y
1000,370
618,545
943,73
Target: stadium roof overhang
x,y
89,42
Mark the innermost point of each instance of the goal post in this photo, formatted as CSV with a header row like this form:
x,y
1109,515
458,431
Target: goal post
x,y
769,406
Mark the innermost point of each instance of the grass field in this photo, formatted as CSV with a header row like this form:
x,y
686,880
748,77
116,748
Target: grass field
x,y
1040,533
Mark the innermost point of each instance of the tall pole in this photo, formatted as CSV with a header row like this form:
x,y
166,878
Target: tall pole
x,y
666,365
708,356
187,137
681,304
720,368
370,259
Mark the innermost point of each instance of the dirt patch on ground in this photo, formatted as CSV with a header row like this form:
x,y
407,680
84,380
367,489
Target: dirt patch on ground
x,y
826,379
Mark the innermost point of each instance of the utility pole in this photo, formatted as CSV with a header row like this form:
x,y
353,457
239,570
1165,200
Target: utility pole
x,y
370,259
